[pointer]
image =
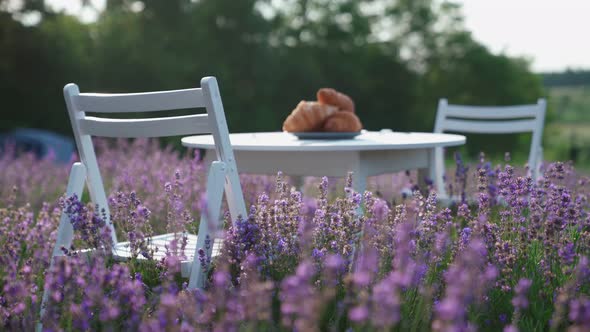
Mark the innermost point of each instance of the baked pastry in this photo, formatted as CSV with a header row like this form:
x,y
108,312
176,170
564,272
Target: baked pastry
x,y
308,116
330,96
343,122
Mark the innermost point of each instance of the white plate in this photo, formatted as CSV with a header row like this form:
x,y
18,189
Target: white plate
x,y
326,135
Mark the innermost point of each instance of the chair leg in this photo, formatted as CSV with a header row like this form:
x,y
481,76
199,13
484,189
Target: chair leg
x,y
437,165
209,218
234,193
539,163
65,231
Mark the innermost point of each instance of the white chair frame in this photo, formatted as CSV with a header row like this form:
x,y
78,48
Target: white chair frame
x,y
222,174
491,120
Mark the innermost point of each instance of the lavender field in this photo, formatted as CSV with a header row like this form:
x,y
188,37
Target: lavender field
x,y
509,255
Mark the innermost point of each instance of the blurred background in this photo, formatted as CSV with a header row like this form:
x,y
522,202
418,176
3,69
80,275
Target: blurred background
x,y
396,58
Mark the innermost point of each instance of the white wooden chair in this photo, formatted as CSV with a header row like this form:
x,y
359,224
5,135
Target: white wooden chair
x,y
222,173
490,120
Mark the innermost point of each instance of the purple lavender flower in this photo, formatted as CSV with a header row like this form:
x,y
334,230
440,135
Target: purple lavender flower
x,y
89,225
299,304
520,301
465,284
579,312
567,254
511,328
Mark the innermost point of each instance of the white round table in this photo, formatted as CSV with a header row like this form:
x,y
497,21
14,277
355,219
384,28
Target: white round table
x,y
368,154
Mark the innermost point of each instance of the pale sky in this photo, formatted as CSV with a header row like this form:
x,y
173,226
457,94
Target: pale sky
x,y
555,34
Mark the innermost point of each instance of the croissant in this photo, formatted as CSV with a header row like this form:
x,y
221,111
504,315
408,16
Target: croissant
x,y
308,116
343,122
330,96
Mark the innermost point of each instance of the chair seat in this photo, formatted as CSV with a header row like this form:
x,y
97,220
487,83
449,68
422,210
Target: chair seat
x,y
158,244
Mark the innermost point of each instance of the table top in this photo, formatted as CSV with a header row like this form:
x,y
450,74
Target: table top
x,y
366,141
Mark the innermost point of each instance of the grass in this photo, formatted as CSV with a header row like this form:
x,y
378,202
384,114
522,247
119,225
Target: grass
x,y
567,136
570,104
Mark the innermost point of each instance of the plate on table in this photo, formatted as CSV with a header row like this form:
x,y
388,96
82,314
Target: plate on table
x,y
326,135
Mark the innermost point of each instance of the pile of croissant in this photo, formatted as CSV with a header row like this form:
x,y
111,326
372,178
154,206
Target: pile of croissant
x,y
332,112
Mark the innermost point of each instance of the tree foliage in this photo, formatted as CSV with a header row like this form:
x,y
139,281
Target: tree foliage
x,y
570,77
396,58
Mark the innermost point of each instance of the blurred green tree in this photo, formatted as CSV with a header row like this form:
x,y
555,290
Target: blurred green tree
x,y
396,58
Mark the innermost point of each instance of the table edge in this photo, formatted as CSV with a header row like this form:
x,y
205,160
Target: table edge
x,y
382,147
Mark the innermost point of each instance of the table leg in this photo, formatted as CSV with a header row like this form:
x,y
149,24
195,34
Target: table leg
x,y
427,175
359,184
439,171
359,179
298,182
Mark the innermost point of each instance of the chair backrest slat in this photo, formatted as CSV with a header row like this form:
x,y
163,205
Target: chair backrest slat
x,y
139,102
489,127
151,127
490,113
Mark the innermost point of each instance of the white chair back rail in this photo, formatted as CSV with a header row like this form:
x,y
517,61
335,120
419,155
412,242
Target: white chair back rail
x,y
490,112
139,102
490,127
152,127
491,120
